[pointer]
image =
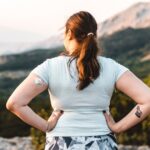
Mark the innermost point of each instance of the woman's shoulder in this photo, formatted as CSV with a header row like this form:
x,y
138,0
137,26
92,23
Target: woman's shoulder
x,y
105,59
55,59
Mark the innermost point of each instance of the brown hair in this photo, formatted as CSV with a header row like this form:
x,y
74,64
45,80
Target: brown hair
x,y
84,29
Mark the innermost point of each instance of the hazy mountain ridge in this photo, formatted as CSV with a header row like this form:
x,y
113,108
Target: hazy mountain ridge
x,y
8,47
16,41
136,16
27,60
7,34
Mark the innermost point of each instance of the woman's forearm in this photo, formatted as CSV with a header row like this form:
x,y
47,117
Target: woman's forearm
x,y
137,114
26,114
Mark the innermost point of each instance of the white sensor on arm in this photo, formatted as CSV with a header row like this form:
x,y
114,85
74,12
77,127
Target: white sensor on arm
x,y
38,81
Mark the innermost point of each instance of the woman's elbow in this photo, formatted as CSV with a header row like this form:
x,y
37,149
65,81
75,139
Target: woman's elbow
x,y
11,106
147,102
148,105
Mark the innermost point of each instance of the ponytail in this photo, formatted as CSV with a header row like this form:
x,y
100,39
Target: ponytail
x,y
83,27
87,64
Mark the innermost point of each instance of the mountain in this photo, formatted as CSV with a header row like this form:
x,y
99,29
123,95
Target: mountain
x,y
54,41
130,47
136,16
27,60
9,48
17,36
14,41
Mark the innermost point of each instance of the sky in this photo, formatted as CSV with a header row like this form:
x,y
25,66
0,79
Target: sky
x,y
43,18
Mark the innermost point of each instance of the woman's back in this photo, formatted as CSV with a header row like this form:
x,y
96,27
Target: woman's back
x,y
82,109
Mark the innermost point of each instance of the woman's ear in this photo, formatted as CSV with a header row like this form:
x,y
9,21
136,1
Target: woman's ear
x,y
69,34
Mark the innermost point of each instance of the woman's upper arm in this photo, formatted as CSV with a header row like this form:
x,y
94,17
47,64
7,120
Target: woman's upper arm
x,y
30,87
35,83
134,87
128,83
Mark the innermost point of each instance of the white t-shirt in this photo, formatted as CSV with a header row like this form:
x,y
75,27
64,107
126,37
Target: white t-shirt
x,y
83,114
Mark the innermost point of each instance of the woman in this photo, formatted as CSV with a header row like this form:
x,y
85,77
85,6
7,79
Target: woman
x,y
80,83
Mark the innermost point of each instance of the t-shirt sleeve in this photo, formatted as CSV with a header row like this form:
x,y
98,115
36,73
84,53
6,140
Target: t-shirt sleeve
x,y
119,70
42,71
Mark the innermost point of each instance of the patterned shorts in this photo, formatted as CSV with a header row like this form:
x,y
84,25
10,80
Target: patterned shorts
x,y
97,142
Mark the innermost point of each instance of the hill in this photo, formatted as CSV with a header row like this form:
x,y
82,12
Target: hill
x,y
130,47
136,16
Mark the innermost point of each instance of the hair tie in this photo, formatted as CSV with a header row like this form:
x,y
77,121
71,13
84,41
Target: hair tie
x,y
90,33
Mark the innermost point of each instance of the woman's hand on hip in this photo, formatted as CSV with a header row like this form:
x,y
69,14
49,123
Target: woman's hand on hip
x,y
111,123
52,120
